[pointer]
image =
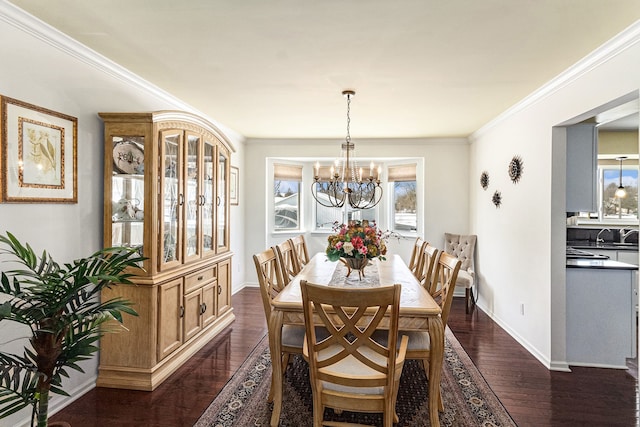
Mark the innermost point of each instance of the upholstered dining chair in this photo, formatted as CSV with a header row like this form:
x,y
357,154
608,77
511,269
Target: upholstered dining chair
x,y
300,248
416,253
348,369
271,283
288,260
463,247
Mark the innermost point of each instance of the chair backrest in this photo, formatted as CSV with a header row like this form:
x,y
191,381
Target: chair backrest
x,y
428,267
445,282
351,316
462,247
269,277
288,260
300,248
414,261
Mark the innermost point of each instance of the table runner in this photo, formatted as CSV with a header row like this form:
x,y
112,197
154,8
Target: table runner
x,y
371,276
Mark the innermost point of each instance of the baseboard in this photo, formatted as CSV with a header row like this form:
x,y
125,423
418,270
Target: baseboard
x,y
523,342
58,402
237,289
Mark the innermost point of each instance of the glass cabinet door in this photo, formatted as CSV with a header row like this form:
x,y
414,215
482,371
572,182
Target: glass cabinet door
x,y
127,192
223,177
208,195
171,199
192,197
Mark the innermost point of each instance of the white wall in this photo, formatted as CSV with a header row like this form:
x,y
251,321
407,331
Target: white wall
x,y
521,245
446,186
42,67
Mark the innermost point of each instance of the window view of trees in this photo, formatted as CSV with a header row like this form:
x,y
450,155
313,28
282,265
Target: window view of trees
x,y
614,207
287,205
405,203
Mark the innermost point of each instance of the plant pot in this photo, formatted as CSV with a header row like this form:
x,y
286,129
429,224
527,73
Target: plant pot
x,y
355,264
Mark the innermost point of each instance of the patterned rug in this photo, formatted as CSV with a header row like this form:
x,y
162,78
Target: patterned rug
x,y
467,398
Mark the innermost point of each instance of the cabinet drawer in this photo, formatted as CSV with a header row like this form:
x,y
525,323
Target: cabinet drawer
x,y
199,278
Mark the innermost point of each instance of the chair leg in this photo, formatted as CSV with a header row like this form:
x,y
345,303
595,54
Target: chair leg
x,y
318,409
467,293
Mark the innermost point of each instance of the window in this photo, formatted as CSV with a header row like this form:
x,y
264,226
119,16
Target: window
x,y
286,192
612,206
403,184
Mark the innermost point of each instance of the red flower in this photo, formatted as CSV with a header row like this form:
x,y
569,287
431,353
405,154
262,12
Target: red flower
x,y
357,242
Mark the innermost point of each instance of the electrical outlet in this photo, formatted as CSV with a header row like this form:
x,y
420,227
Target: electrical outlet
x,y
522,309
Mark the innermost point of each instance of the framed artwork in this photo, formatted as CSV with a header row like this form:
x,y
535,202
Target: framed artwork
x,y
39,161
233,186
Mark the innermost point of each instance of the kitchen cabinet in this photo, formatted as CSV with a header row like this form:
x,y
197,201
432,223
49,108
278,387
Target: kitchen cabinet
x,y
601,317
166,178
582,168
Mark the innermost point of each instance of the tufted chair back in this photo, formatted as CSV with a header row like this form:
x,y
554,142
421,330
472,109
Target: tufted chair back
x,y
462,247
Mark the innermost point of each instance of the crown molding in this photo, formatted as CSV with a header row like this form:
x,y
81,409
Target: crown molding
x,y
624,40
40,30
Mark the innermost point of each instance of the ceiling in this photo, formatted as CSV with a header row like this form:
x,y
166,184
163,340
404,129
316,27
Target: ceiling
x,y
276,69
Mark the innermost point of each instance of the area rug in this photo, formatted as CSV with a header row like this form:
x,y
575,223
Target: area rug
x,y
467,397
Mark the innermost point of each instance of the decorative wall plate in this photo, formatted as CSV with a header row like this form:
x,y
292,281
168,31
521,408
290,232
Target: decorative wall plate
x,y
497,198
484,180
128,157
516,166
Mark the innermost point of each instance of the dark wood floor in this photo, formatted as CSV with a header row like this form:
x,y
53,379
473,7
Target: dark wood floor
x,y
533,395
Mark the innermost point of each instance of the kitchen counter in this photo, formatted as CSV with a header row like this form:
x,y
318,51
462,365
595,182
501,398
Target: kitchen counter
x,y
586,244
600,264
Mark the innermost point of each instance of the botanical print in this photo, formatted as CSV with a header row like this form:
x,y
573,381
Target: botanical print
x,y
40,154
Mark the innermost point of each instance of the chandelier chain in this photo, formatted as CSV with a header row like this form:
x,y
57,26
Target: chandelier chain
x,y
348,118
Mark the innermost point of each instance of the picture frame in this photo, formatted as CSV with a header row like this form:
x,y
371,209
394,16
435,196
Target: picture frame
x,y
234,185
39,162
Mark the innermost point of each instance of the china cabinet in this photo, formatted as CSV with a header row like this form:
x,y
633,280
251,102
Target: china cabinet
x,y
166,193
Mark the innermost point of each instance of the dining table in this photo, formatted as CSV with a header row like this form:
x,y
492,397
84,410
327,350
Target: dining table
x,y
418,312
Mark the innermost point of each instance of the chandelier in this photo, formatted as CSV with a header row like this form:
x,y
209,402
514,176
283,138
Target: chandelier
x,y
346,182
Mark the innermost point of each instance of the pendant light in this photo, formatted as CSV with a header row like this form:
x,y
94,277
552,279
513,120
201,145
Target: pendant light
x,y
621,192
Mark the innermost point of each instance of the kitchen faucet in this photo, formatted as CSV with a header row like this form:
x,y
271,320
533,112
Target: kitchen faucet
x,y
624,235
598,238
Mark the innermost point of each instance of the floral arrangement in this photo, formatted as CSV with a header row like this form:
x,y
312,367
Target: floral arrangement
x,y
358,239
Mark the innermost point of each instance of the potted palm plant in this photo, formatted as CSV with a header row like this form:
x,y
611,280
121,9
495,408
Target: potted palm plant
x,y
61,306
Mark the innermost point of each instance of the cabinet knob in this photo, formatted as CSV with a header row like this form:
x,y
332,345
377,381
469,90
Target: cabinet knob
x,y
203,308
219,289
200,277
218,200
181,311
180,199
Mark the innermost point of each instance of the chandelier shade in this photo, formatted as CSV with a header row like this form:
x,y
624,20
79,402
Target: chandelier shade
x,y
344,182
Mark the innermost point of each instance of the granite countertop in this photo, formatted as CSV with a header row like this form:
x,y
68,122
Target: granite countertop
x,y
599,263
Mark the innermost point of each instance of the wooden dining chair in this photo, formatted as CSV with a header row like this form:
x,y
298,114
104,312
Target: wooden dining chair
x,y
348,369
444,279
288,260
300,248
414,261
428,267
271,283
